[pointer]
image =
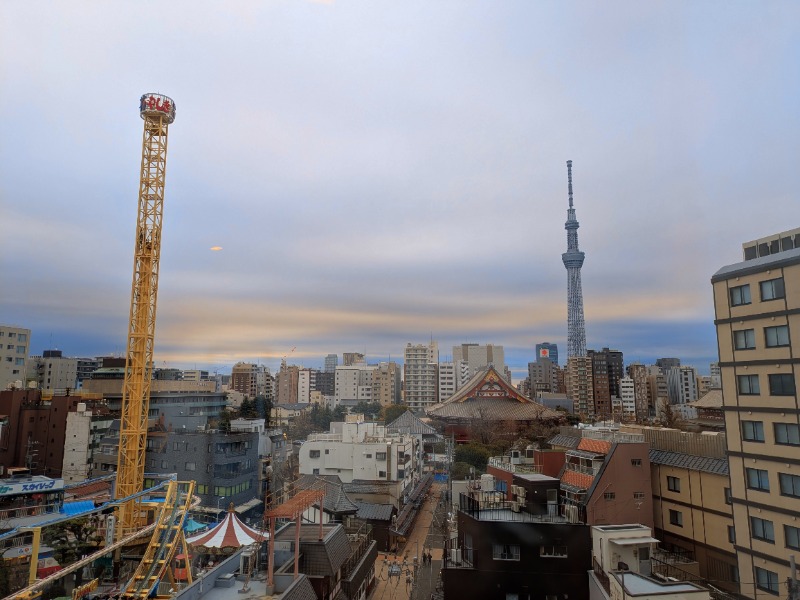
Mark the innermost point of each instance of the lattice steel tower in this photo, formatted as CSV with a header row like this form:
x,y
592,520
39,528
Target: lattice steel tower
x,y
573,261
158,112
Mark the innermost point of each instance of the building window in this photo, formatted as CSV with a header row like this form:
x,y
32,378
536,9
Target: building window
x,y
787,434
790,484
553,551
740,295
792,535
753,431
382,474
505,552
776,336
313,453
190,466
315,471
728,496
380,456
744,339
673,484
368,456
757,479
767,580
676,517
163,462
609,496
762,530
731,534
772,289
748,385
202,489
638,495
636,462
781,384
327,450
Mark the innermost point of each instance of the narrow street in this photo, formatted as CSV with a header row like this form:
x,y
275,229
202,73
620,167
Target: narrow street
x,y
394,573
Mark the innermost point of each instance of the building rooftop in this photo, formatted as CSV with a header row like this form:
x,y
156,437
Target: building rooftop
x,y
718,466
639,585
757,265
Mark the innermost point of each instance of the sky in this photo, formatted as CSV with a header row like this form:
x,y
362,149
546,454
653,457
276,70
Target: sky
x,y
384,173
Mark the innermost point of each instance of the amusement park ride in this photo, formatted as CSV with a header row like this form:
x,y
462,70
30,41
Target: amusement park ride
x,y
140,512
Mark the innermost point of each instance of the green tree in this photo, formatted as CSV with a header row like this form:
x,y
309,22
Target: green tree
x,y
247,410
370,410
72,539
263,409
224,424
339,413
390,412
474,453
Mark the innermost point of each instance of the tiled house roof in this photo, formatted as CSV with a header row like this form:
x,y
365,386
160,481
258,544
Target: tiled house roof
x,y
576,479
598,446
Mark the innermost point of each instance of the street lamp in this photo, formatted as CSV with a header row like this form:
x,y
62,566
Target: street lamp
x,y
218,501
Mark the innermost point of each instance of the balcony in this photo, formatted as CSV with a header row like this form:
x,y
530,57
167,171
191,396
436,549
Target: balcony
x,y
504,463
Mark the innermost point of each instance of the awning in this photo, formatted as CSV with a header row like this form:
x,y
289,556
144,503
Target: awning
x,y
190,526
76,508
634,541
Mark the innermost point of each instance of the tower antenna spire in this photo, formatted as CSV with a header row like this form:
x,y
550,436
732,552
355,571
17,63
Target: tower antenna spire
x,y
569,179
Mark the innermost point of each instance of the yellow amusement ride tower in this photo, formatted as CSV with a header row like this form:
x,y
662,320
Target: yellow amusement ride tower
x,y
158,112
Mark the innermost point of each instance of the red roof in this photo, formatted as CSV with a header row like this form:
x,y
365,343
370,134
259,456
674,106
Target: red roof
x,y
598,446
579,480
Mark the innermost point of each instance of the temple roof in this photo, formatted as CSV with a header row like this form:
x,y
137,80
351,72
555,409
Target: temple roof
x,y
409,423
489,396
335,501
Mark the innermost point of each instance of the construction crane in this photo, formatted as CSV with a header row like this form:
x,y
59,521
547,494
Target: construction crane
x,y
158,112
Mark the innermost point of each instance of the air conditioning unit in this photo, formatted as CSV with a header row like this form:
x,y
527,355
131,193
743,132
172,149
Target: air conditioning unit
x,y
515,506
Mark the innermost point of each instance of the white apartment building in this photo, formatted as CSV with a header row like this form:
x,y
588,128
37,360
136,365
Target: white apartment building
x,y
627,394
353,384
303,385
477,357
83,433
362,451
52,371
447,380
420,375
14,349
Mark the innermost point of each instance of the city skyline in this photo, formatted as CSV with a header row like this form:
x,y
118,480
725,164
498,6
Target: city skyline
x,y
378,176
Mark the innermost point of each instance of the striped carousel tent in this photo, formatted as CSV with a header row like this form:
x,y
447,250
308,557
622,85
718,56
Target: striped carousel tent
x,y
230,534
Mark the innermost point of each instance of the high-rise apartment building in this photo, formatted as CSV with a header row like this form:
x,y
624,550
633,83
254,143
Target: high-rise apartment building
x,y
757,309
548,351
421,375
638,374
668,363
682,385
447,380
478,357
287,383
14,348
331,362
52,371
244,379
353,384
543,376
607,372
580,385
386,383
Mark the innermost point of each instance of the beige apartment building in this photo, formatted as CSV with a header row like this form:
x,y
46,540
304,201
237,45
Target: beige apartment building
x,y
757,308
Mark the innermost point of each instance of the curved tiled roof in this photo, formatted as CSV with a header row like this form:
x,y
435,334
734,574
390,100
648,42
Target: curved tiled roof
x,y
336,500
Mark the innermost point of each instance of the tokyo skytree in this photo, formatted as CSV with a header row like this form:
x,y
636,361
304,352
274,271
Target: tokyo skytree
x,y
573,261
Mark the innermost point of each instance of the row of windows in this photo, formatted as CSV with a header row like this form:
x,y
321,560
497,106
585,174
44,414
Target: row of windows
x,y
758,479
774,337
512,551
787,434
22,337
780,384
771,289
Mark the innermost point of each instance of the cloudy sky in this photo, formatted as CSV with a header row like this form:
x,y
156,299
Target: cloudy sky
x,y
379,173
